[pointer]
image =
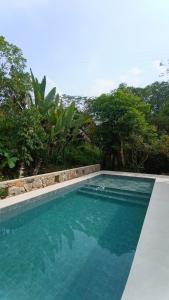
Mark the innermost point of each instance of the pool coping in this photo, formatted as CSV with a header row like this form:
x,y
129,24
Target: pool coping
x,y
149,275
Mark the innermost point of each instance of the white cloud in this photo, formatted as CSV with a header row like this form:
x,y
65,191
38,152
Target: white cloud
x,y
101,86
135,71
132,76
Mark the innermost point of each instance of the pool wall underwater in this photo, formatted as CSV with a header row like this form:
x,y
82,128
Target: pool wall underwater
x,y
149,274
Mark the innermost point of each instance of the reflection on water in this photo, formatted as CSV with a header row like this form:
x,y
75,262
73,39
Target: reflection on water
x,y
92,223
72,248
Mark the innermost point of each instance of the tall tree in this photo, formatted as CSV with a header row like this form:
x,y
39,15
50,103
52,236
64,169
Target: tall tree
x,y
14,79
120,118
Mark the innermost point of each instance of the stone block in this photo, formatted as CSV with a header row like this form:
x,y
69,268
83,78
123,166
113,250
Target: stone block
x,y
29,180
14,190
37,183
3,185
28,187
19,183
48,180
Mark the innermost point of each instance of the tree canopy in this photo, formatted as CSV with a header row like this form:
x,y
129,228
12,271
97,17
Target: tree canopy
x,y
14,79
121,119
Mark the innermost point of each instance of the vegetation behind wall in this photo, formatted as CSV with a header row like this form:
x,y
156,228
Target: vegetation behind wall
x,y
127,129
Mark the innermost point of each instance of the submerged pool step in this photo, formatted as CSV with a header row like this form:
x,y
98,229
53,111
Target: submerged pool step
x,y
117,198
117,192
120,190
115,195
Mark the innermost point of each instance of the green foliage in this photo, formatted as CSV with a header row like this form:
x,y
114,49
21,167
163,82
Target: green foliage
x,y
158,161
30,135
162,145
127,129
8,153
41,132
157,96
14,80
42,102
121,119
161,118
6,158
3,193
84,154
27,140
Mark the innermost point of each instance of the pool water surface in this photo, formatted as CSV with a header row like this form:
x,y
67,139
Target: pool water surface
x,y
78,246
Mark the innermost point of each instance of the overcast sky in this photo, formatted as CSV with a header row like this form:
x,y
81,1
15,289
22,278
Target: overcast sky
x,y
86,47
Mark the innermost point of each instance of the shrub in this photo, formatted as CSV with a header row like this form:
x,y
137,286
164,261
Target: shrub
x,y
3,192
85,154
157,164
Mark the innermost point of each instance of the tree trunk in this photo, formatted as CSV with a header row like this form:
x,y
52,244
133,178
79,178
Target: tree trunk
x,y
37,167
21,169
122,153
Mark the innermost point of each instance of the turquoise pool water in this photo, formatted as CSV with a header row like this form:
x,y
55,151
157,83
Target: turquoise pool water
x,y
78,246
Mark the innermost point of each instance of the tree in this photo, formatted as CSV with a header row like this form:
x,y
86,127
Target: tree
x,y
161,119
79,101
14,80
142,147
155,94
28,141
121,118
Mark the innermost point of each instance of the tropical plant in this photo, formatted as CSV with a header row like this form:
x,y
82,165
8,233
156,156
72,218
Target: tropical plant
x,y
42,102
7,158
66,125
63,125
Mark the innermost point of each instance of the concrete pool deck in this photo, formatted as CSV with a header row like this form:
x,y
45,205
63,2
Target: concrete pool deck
x,y
149,275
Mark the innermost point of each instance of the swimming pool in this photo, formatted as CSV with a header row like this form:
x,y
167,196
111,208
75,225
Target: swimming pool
x,y
76,244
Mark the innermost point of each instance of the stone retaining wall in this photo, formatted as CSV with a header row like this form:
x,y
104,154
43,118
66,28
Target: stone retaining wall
x,y
27,184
